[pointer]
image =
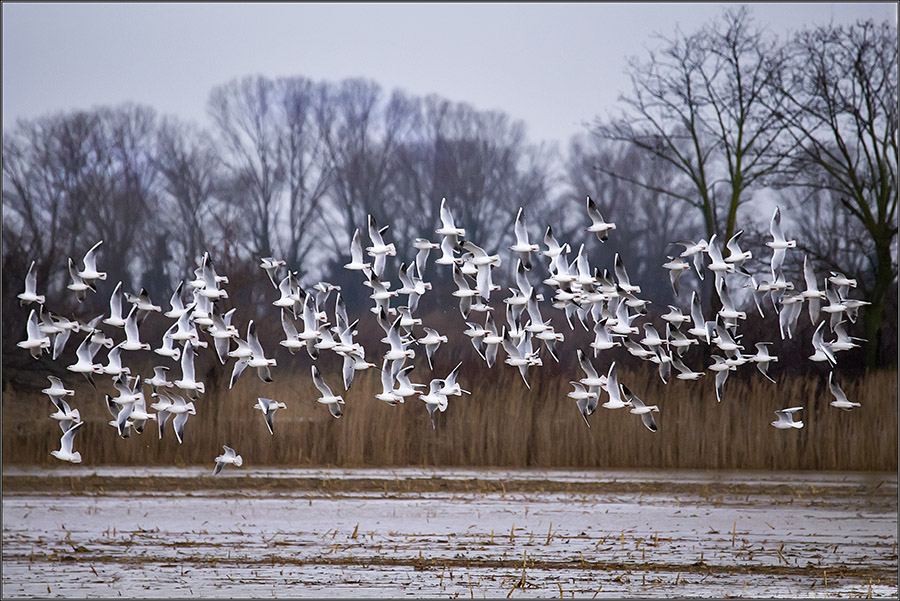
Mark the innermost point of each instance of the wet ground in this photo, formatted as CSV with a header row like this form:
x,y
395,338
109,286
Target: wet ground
x,y
169,532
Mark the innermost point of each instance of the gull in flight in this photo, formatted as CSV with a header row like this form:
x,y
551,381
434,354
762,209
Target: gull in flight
x,y
139,415
603,339
791,307
132,336
591,379
676,267
786,419
432,340
257,356
843,342
404,387
492,340
333,401
463,292
778,244
821,349
522,245
613,389
685,372
448,227
289,289
65,445
728,312
842,282
57,327
598,225
622,277
268,408
423,247
271,265
143,304
696,250
553,247
736,256
482,262
175,405
356,255
120,411
354,361
387,386
66,415
159,378
36,341
520,355
291,340
651,336
168,348
188,381
30,295
90,273
717,264
114,366
413,286
79,286
840,399
115,318
399,349
229,457
84,360
762,358
675,316
57,388
435,400
379,250
222,332
812,294
449,386
678,341
721,368
585,399
639,408
836,305
176,303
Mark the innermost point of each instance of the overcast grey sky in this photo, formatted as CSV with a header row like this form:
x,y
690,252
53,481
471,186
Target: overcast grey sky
x,y
552,65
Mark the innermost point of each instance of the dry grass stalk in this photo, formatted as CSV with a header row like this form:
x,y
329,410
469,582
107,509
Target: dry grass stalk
x,y
501,424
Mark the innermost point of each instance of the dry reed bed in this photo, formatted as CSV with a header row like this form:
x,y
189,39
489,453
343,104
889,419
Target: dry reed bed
x,y
502,423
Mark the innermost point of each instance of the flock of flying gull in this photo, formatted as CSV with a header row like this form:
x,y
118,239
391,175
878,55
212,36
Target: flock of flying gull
x,y
606,304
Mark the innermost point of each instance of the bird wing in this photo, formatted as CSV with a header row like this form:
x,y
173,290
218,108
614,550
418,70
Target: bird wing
x,y
319,381
90,258
520,229
775,226
836,389
732,245
68,438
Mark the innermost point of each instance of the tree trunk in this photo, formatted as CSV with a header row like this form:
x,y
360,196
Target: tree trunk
x,y
873,319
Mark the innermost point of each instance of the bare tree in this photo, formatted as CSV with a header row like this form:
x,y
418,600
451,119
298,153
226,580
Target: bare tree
x,y
361,134
275,161
243,113
646,220
124,223
704,104
188,165
479,161
842,113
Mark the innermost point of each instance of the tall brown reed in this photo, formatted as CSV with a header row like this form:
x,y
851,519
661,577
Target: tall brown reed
x,y
501,423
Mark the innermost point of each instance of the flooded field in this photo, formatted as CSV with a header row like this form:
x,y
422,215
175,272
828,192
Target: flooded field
x,y
169,532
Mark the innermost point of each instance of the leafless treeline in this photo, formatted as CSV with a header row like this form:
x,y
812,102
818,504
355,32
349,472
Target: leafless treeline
x,y
290,167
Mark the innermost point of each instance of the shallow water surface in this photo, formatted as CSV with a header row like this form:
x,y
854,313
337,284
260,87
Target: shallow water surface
x,y
447,533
